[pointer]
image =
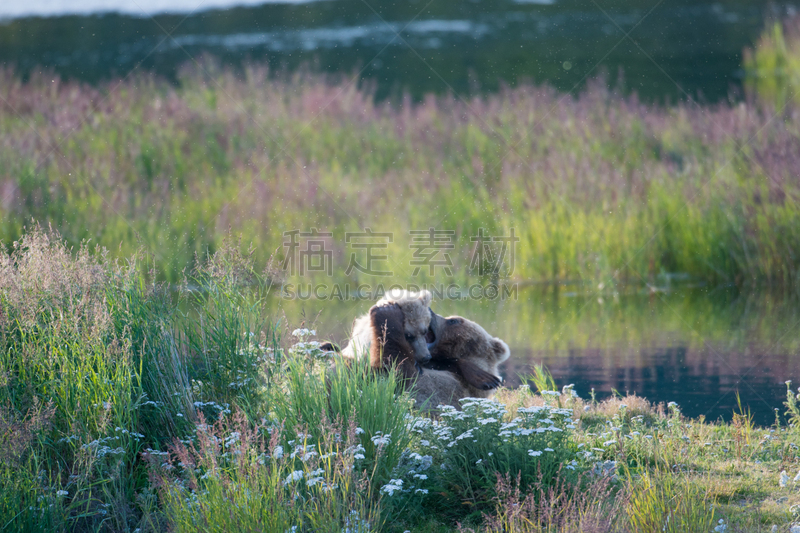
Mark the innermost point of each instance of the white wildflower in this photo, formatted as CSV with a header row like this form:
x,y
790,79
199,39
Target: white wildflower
x,y
233,438
392,486
310,482
381,440
294,476
307,456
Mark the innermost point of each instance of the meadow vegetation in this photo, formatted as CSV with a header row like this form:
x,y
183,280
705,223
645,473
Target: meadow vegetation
x,y
772,67
597,186
128,404
124,407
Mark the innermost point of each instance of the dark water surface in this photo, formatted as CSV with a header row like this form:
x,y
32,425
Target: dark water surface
x,y
696,347
416,46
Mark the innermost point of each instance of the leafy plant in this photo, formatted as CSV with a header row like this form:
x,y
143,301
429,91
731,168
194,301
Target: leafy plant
x,y
472,446
541,378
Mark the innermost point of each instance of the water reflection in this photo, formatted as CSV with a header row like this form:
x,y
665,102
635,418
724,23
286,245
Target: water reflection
x,y
697,347
442,46
318,38
135,8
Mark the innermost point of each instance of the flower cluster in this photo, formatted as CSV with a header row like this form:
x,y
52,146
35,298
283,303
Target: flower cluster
x,y
306,348
468,447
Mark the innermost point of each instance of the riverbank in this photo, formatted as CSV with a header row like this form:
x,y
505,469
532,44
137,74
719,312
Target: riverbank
x,y
596,187
121,413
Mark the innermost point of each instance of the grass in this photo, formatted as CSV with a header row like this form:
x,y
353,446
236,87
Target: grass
x,y
111,419
126,406
597,186
772,67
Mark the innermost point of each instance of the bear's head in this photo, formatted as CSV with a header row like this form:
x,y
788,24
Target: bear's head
x,y
417,319
389,346
459,339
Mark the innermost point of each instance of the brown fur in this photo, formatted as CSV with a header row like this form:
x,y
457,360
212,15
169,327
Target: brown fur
x,y
465,357
439,387
416,324
466,351
389,346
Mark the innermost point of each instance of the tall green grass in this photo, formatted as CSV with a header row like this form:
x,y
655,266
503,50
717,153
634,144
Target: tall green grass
x,y
116,415
597,186
772,67
661,503
105,379
249,484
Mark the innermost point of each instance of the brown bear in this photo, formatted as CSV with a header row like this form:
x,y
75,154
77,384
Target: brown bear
x,y
465,358
390,346
415,326
464,350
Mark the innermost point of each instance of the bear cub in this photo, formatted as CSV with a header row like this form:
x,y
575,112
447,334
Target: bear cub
x,y
414,327
462,347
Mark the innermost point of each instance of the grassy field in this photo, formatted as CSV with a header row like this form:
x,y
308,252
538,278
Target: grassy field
x,y
597,186
120,412
128,404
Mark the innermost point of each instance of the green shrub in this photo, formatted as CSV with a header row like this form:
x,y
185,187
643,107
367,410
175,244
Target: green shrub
x,y
351,395
470,448
772,67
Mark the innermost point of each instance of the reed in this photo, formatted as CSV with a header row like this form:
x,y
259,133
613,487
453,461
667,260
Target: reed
x,y
597,186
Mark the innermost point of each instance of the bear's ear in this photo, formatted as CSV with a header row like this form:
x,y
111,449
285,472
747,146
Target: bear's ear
x,y
425,297
385,317
500,350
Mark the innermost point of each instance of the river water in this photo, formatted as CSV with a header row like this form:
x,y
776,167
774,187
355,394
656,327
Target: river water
x,y
698,347
665,49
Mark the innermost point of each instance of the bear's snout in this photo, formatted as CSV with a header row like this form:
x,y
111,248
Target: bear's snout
x,y
423,357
